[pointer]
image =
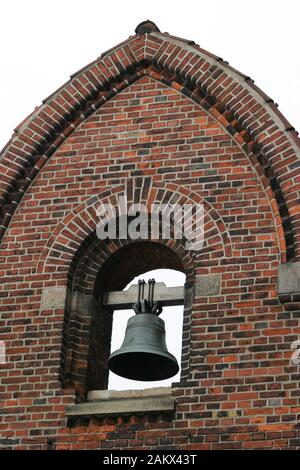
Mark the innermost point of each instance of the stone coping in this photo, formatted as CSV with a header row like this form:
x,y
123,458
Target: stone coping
x,y
96,395
115,403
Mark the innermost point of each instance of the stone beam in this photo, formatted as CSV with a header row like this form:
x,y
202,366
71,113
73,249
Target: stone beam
x,y
167,296
113,403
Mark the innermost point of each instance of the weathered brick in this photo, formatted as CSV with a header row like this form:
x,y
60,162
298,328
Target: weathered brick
x,y
159,140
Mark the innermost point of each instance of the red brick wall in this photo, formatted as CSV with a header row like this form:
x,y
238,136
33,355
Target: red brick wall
x,y
241,389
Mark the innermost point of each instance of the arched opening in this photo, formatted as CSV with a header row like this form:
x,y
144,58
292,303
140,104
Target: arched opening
x,y
111,266
119,270
173,318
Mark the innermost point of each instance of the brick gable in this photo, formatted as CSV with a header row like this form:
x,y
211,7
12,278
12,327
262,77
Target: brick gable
x,y
156,139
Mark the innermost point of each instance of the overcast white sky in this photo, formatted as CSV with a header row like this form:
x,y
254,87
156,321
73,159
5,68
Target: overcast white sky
x,y
43,42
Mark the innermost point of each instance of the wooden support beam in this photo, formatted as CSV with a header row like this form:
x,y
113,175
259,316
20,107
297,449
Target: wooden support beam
x,y
167,296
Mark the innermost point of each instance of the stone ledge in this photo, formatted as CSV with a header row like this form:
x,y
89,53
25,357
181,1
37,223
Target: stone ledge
x,y
113,403
100,395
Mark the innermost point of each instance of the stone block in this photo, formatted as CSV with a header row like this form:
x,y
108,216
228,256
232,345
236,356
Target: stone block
x,y
207,285
53,297
289,278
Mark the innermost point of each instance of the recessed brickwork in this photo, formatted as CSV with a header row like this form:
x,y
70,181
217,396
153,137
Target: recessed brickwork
x,y
153,119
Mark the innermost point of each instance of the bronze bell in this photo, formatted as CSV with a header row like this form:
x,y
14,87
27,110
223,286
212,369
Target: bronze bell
x,y
143,354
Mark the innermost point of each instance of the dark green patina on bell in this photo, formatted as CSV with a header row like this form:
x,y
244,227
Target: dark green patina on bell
x,y
143,354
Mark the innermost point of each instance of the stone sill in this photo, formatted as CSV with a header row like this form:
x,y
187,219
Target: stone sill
x,y
103,403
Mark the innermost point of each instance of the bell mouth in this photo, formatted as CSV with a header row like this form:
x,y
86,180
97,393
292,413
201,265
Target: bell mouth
x,y
143,366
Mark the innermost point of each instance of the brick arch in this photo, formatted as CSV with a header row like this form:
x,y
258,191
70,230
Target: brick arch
x,y
249,115
75,255
91,261
217,244
88,324
75,234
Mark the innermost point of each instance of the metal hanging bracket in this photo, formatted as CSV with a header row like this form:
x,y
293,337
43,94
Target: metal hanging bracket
x,y
124,300
147,305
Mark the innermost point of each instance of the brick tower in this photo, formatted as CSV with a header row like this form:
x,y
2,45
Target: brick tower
x,y
158,119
